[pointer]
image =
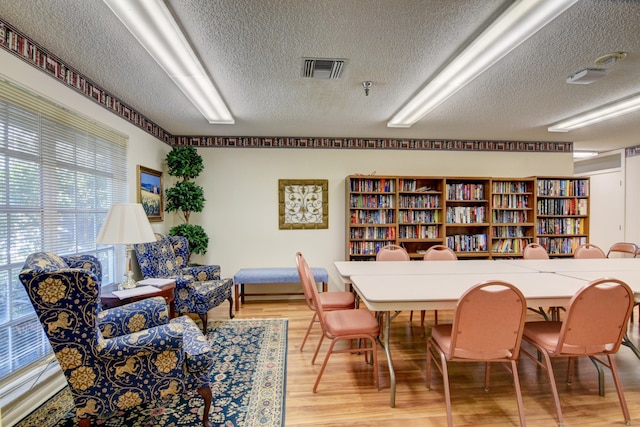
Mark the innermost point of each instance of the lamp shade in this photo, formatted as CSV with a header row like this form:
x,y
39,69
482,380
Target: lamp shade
x,y
126,224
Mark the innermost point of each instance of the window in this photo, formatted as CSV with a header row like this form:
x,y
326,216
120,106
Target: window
x,y
59,174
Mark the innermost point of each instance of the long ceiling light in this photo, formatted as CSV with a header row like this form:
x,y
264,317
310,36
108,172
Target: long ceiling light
x,y
520,21
605,112
152,24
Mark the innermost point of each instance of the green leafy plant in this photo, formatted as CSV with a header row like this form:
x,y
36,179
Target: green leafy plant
x,y
186,196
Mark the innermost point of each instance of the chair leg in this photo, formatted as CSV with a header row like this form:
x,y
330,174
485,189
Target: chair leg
x,y
516,384
616,381
306,335
203,318
206,394
422,313
447,391
231,315
313,360
554,389
324,365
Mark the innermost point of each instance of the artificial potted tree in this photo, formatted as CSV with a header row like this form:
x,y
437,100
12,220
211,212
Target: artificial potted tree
x,y
186,196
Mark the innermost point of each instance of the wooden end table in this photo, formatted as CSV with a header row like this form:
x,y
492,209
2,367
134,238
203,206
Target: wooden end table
x,y
109,300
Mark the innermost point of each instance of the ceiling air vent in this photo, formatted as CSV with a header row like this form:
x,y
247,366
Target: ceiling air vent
x,y
322,68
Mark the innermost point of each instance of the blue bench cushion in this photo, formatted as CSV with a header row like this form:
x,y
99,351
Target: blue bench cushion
x,y
277,275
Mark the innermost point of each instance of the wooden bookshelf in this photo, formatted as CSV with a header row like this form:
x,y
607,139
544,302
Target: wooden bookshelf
x,y
562,214
512,216
477,217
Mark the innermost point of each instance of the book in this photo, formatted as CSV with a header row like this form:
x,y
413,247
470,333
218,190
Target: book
x,y
155,282
134,292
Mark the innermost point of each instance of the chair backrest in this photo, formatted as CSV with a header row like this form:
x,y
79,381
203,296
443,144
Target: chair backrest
x,y
392,253
623,248
535,251
596,319
440,253
488,322
158,259
303,266
589,251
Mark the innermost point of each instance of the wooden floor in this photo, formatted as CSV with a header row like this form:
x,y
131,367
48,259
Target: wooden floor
x,y
346,394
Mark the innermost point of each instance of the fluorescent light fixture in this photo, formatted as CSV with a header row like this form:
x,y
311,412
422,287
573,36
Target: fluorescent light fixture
x,y
584,154
152,24
520,21
605,112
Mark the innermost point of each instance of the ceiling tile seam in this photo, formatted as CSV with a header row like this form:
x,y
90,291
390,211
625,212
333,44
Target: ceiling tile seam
x,y
20,45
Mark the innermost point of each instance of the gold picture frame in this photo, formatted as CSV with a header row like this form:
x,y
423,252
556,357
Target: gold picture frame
x,y
149,193
303,204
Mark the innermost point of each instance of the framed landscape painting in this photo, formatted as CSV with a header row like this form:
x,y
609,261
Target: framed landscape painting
x,y
150,193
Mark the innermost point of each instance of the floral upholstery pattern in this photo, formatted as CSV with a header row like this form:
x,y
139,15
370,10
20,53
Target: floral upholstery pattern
x,y
198,288
141,355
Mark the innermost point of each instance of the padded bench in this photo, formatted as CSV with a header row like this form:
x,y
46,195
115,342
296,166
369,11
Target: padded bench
x,y
258,276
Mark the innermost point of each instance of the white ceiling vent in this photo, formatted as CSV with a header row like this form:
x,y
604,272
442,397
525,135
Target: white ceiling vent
x,y
322,68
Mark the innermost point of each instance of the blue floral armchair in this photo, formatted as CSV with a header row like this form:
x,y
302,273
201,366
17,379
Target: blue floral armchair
x,y
198,288
119,358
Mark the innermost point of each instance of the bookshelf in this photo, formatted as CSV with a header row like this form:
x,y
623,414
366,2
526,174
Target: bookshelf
x,y
467,216
562,214
478,217
512,216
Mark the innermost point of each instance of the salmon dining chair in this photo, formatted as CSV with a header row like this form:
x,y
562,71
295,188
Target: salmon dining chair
x,y
588,251
623,249
594,326
436,253
340,325
392,253
487,327
535,251
329,300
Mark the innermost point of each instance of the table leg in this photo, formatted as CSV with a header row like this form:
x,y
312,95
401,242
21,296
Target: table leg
x,y
627,342
387,350
237,299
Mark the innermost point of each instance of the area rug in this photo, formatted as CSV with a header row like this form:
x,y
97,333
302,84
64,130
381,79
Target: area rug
x,y
248,384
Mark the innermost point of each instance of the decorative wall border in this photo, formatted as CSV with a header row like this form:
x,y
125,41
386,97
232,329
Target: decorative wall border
x,y
20,45
632,151
373,143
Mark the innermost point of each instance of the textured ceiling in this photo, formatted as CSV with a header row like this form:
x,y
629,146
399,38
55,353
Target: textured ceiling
x,y
253,49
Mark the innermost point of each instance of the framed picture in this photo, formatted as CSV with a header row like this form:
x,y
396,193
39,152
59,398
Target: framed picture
x,y
303,203
150,193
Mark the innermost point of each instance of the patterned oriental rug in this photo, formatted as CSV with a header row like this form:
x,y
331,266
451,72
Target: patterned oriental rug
x,y
248,384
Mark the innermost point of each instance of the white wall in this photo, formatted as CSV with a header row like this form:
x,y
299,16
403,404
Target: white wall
x,y
632,197
241,189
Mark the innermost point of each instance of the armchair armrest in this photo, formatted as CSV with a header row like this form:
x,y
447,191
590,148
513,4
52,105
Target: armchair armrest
x,y
203,272
133,317
150,341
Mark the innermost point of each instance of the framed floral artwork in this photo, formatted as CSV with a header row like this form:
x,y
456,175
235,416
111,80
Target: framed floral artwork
x,y
303,203
149,193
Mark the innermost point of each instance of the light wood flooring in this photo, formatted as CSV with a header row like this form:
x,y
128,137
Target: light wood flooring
x,y
346,395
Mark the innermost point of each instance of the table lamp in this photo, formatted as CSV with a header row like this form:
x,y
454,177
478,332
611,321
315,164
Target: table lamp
x,y
126,224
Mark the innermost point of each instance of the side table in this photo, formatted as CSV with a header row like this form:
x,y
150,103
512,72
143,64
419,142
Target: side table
x,y
109,300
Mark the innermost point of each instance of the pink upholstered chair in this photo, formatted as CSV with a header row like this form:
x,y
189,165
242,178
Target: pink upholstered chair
x,y
487,327
589,251
535,251
341,325
328,300
624,249
594,326
392,253
436,253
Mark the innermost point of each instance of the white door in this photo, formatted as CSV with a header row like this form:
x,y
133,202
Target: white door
x,y
607,209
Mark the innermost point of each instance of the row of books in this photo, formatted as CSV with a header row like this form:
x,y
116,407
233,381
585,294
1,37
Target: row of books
x,y
465,191
513,231
509,246
422,201
383,216
418,232
511,187
563,187
412,185
466,214
561,226
561,245
371,201
372,233
378,185
510,201
418,217
562,206
506,217
467,242
367,248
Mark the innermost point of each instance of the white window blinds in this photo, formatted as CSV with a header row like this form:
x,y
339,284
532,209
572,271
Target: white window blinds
x,y
59,174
